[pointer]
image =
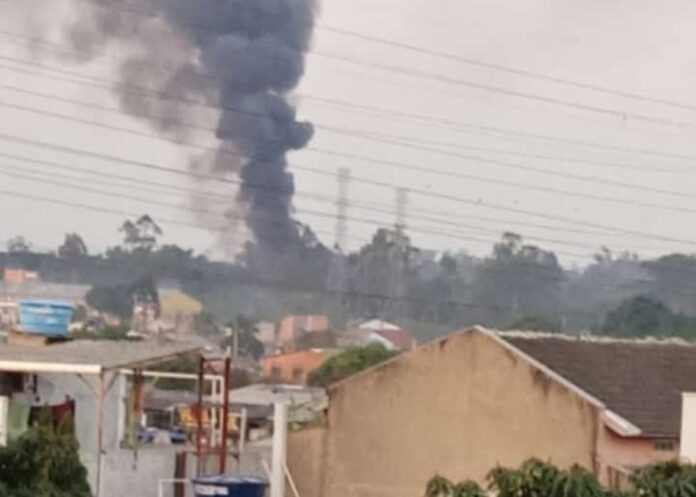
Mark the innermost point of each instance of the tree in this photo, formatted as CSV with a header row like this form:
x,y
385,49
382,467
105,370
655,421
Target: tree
x,y
141,234
380,271
73,246
247,341
639,316
667,479
439,486
518,278
18,244
118,300
348,363
536,478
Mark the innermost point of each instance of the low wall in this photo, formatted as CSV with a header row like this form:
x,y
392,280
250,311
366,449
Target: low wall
x,y
306,460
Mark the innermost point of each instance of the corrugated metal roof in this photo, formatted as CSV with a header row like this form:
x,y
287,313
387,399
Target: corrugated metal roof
x,y
89,357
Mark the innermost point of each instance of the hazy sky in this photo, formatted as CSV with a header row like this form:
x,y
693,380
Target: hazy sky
x,y
628,45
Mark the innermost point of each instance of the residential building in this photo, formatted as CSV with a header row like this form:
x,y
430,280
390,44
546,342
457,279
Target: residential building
x,y
388,334
268,335
15,292
88,381
17,276
466,403
292,367
293,327
178,312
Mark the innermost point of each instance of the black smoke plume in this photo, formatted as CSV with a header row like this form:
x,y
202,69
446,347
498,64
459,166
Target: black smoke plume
x,y
242,56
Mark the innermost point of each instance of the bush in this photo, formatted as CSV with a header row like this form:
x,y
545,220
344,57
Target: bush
x,y
668,479
43,463
348,363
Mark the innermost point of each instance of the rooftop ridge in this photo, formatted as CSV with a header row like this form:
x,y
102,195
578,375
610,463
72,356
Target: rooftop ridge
x,y
591,338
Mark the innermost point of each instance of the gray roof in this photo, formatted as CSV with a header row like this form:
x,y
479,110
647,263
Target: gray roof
x,y
641,380
162,400
262,394
44,290
89,357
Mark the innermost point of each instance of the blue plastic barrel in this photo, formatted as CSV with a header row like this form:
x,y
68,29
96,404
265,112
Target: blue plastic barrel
x,y
49,318
229,486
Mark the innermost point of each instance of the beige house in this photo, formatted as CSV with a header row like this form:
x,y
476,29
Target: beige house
x,y
465,403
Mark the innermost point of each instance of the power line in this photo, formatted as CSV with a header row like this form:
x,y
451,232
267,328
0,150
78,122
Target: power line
x,y
374,136
229,214
149,66
346,106
353,107
474,127
427,193
495,181
504,68
202,27
173,190
167,221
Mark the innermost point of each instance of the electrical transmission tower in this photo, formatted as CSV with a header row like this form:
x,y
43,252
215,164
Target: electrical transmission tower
x,y
342,211
401,208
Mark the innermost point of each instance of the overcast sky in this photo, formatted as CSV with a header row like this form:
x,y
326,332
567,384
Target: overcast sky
x,y
634,46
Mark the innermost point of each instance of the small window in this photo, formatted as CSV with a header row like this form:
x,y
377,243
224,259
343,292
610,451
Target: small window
x,y
297,374
664,445
276,372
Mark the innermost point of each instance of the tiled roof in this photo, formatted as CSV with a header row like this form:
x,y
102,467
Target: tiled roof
x,y
641,380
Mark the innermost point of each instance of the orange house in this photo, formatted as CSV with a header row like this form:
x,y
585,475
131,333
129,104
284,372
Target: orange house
x,y
292,367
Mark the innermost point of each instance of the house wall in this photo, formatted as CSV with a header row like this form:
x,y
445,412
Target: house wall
x,y
282,367
617,453
292,326
124,472
457,407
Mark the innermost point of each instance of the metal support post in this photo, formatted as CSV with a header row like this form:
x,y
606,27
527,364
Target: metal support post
x,y
225,414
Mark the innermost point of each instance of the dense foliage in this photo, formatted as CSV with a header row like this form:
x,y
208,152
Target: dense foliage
x,y
43,463
518,285
349,362
643,315
535,478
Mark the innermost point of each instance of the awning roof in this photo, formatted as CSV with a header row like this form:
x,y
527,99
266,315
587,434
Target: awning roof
x,y
89,357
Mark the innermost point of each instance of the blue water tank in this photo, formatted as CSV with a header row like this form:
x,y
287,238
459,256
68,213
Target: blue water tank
x,y
45,317
229,486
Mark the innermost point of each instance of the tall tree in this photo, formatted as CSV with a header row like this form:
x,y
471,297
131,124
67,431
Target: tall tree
x,y
73,246
518,279
18,244
141,234
246,333
378,274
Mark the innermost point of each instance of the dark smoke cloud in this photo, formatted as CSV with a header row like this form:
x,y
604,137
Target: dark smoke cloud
x,y
251,55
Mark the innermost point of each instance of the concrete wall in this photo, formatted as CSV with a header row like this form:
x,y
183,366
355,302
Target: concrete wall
x,y
305,456
282,367
456,407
